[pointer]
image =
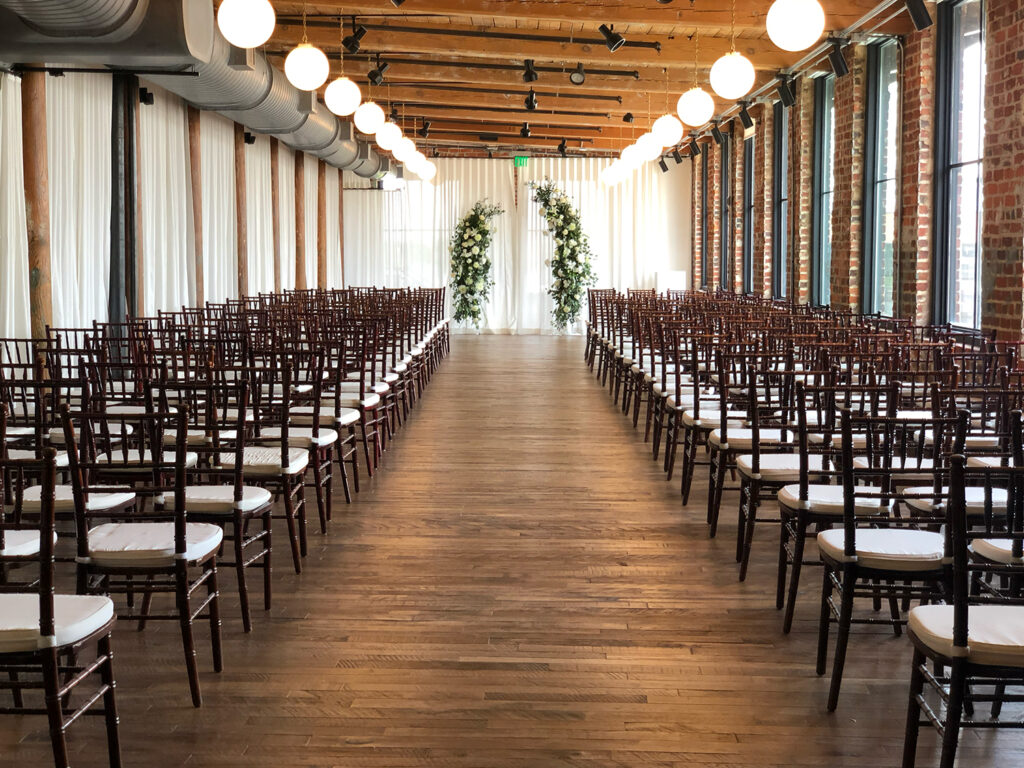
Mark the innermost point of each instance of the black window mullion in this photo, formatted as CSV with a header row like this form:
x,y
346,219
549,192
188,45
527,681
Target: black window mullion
x,y
869,266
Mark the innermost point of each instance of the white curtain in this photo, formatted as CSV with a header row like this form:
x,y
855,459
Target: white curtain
x,y
220,244
165,190
286,213
310,184
333,234
78,114
401,238
14,309
259,206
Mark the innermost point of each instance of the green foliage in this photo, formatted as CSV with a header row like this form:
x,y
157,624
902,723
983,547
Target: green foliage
x,y
471,267
571,268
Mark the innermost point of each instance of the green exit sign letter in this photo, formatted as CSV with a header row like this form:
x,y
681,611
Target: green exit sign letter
x,y
520,161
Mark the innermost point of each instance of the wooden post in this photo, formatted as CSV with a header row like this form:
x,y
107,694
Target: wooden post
x,y
195,157
140,254
321,224
341,224
37,200
300,222
241,221
275,209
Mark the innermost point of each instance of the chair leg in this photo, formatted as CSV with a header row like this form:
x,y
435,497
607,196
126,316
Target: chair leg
x,y
268,527
110,703
690,444
753,501
54,708
716,475
187,638
913,712
318,490
954,712
19,700
780,578
794,574
293,537
243,590
214,614
824,619
842,640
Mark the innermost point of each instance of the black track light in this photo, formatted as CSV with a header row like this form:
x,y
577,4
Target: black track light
x,y
248,138
694,148
525,131
562,148
837,58
529,73
663,165
424,131
351,42
716,134
578,76
676,156
393,117
918,14
785,89
612,39
745,118
145,95
628,117
531,100
376,75
664,2
397,3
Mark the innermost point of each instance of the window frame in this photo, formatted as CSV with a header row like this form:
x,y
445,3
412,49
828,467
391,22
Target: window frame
x,y
748,214
705,262
725,213
780,198
821,278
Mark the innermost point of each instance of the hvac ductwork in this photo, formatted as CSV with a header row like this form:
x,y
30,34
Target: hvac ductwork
x,y
181,35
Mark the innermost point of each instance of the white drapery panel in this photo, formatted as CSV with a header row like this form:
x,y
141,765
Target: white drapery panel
x,y
259,207
286,211
220,243
401,238
167,246
310,183
14,309
78,114
333,234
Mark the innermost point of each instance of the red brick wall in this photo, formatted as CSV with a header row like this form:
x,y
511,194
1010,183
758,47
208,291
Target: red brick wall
x,y
1003,180
736,167
714,214
696,234
801,168
763,135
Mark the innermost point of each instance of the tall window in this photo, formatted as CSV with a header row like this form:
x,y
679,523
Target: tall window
x,y
881,185
780,188
959,139
748,215
822,186
705,246
725,221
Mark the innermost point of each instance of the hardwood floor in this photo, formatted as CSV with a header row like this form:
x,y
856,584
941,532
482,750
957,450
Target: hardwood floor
x,y
520,588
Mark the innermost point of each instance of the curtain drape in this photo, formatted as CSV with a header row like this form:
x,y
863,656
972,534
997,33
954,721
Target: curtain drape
x,y
333,234
401,238
14,310
286,211
259,202
310,183
167,245
220,244
78,115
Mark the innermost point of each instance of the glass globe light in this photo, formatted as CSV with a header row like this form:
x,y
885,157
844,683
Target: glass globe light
x,y
613,173
404,149
369,118
388,135
795,25
428,171
695,107
306,67
732,76
631,158
668,130
246,23
649,146
342,96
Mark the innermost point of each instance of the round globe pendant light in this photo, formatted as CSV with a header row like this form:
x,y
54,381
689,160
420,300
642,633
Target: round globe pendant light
x,y
732,76
388,135
695,107
631,158
306,67
668,130
404,149
246,23
342,96
649,147
369,118
428,171
795,25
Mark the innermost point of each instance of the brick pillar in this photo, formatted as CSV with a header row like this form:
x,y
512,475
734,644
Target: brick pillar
x,y
849,182
1002,242
917,137
736,183
714,215
801,169
697,235
763,135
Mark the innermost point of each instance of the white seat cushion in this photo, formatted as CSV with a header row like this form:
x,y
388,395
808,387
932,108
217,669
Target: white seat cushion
x,y
710,417
124,460
995,633
973,496
925,465
974,442
19,455
352,387
221,498
401,367
266,460
75,617
21,543
775,467
391,378
302,437
304,415
134,410
988,461
996,550
351,400
64,500
888,549
743,439
829,499
858,439
146,545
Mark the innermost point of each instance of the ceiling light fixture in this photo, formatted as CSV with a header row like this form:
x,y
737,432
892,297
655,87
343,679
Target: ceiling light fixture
x,y
628,117
668,130
676,156
531,100
745,118
342,96
424,131
397,3
306,66
612,39
562,150
369,118
837,58
376,75
732,76
785,91
695,107
352,42
918,14
663,165
795,25
388,135
578,76
246,23
525,131
716,134
529,73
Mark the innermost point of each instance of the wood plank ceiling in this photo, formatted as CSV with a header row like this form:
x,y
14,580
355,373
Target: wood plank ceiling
x,y
459,64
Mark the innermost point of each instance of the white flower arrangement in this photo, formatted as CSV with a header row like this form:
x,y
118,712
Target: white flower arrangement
x,y
571,267
471,269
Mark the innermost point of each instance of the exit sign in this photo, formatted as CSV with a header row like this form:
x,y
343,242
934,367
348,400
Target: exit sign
x,y
520,161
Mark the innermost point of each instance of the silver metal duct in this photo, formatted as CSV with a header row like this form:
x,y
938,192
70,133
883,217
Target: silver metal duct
x,y
81,18
368,164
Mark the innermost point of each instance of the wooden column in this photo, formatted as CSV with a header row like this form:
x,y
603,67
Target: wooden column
x,y
195,159
37,200
140,253
341,224
275,209
241,221
321,224
300,222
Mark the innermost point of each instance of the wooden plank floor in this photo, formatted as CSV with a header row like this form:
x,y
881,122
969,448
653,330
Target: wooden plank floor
x,y
519,588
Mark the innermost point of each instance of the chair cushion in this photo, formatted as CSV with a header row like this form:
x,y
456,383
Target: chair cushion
x,y
925,465
304,415
400,368
858,439
996,550
391,378
266,460
22,455
126,409
888,549
775,467
221,498
75,617
995,633
352,388
743,439
351,400
64,500
302,437
21,543
146,545
973,495
711,417
829,499
970,441
988,461
124,460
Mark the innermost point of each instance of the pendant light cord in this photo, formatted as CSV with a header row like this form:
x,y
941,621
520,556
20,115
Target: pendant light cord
x,y
732,34
696,54
305,40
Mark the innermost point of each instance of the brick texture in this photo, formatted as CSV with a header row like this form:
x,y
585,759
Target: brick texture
x,y
801,169
763,135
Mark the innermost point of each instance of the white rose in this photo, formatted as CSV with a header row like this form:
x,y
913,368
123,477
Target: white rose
x,y
462,289
572,225
477,237
476,250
